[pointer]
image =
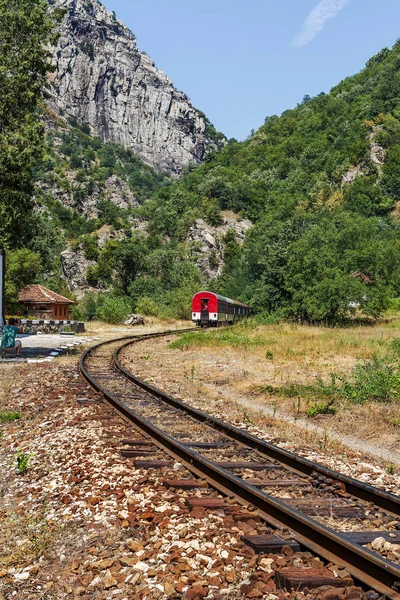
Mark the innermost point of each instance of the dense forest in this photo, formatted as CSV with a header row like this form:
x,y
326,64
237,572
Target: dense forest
x,y
321,183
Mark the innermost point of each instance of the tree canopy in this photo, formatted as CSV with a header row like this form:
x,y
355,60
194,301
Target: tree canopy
x,y
26,30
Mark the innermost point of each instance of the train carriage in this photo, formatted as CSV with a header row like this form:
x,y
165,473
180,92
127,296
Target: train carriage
x,y
213,310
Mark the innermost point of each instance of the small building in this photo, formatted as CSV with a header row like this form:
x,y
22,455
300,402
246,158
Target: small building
x,y
41,303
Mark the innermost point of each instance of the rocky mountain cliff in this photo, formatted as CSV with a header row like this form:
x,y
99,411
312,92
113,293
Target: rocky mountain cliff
x,y
102,79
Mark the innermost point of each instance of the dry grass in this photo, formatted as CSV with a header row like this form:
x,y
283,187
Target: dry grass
x,y
236,363
25,537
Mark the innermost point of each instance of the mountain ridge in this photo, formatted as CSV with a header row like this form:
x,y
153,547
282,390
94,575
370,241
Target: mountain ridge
x,y
101,78
324,176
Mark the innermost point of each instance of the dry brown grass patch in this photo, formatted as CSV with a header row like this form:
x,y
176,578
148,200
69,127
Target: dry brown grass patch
x,y
25,537
283,355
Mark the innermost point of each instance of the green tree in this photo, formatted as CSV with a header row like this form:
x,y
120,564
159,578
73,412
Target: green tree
x,y
130,259
25,33
88,306
147,306
341,264
114,309
23,267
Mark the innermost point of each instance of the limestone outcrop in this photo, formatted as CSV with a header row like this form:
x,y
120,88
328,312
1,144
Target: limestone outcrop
x,y
101,78
208,241
74,266
377,155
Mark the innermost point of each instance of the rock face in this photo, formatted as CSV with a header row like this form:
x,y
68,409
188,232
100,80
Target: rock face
x,y
377,154
208,241
115,190
74,266
102,79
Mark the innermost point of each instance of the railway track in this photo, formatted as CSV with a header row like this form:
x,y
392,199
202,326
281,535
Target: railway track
x,y
312,503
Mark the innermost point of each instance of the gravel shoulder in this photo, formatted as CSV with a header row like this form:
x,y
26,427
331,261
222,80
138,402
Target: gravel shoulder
x,y
81,522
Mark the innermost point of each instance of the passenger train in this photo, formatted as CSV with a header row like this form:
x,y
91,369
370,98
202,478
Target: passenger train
x,y
213,310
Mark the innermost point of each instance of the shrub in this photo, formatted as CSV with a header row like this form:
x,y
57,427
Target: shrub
x,y
87,306
92,275
374,379
147,306
77,313
323,408
91,248
179,304
113,310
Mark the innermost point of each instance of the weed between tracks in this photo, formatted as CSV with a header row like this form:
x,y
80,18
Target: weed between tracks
x,y
8,417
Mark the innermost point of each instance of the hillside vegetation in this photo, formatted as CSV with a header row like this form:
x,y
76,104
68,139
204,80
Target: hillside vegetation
x,y
321,183
82,186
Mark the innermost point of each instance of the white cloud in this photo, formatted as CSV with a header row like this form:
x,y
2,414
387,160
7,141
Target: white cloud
x,y
313,25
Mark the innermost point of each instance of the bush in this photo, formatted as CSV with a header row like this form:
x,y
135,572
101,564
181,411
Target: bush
x,y
87,307
147,306
90,246
76,313
324,408
92,275
113,310
394,304
375,379
179,304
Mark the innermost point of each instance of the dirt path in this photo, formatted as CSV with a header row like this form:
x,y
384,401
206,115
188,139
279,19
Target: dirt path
x,y
352,442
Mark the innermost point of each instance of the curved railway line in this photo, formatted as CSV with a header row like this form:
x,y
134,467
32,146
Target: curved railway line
x,y
252,471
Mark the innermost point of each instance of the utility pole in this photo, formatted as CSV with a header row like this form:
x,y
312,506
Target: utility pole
x,y
2,285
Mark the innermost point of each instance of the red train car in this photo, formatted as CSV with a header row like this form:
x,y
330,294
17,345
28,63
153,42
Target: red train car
x,y
213,310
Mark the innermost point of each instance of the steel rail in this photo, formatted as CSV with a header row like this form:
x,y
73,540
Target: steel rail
x,y
362,564
359,489
131,339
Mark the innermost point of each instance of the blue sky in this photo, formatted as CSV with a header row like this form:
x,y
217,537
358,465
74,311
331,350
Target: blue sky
x,y
242,60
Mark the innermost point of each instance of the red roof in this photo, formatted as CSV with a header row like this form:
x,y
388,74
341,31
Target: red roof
x,y
38,293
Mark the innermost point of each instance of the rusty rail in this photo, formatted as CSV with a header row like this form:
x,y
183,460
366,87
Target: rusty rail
x,y
364,565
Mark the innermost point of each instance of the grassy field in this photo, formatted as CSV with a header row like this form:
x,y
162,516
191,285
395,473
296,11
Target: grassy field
x,y
346,378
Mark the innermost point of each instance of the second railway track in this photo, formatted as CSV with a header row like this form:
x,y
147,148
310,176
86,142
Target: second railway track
x,y
252,471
